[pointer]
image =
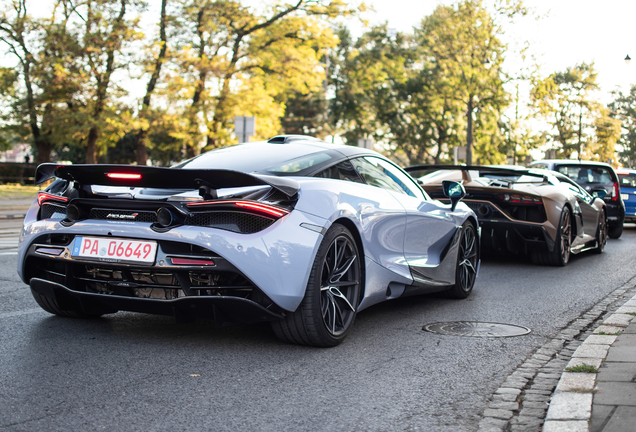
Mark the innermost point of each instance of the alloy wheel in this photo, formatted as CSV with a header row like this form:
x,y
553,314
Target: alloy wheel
x,y
340,285
467,259
566,229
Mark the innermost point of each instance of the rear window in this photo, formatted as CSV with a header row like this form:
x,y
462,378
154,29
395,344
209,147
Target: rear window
x,y
277,159
627,180
584,175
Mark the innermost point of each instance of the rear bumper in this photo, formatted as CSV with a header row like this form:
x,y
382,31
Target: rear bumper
x,y
615,213
630,212
223,310
514,237
276,260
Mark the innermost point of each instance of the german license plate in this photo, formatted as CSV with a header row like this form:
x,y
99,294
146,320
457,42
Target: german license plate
x,y
625,197
108,249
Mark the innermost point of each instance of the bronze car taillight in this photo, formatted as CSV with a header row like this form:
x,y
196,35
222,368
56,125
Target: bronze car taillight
x,y
520,199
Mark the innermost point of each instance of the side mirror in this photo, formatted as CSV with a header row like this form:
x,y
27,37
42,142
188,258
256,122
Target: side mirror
x,y
599,193
453,190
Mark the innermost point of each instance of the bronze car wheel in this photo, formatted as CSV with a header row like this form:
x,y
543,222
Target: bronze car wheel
x,y
328,310
560,255
601,234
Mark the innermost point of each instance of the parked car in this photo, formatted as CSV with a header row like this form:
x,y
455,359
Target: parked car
x,y
536,212
590,176
294,230
627,181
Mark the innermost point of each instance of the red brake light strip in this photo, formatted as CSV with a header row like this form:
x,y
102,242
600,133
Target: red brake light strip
x,y
124,176
44,196
261,208
273,211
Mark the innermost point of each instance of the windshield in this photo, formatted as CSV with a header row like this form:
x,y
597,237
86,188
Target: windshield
x,y
276,159
628,180
586,174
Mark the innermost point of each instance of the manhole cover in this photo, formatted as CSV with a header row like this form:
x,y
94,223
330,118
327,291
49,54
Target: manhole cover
x,y
476,329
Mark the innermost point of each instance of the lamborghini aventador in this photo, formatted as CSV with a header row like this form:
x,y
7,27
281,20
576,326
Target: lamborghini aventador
x,y
537,212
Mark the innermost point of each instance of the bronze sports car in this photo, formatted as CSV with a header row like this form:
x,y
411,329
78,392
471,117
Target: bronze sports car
x,y
535,212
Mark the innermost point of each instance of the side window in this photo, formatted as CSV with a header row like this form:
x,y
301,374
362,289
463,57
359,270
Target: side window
x,y
578,191
539,166
380,173
342,171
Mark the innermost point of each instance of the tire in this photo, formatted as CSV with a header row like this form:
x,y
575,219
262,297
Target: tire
x,y
466,268
601,234
615,232
51,306
327,312
561,253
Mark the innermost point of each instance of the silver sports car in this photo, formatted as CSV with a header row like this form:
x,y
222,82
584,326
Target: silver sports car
x,y
294,230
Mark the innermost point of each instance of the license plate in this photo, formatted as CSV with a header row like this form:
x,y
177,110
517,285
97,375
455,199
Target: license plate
x,y
625,197
108,249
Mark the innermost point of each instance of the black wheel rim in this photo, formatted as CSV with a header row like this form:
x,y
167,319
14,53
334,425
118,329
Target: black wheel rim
x,y
467,259
566,229
340,285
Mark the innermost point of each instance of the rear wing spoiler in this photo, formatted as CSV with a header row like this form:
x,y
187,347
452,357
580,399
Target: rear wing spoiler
x,y
481,169
161,178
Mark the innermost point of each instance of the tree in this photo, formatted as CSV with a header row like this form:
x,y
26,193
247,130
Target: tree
x,y
565,100
228,53
105,32
623,107
461,41
16,31
154,69
607,133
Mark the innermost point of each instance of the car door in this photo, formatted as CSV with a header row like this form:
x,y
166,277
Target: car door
x,y
586,213
430,227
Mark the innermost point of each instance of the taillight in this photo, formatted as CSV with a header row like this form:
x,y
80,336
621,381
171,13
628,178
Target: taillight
x,y
615,192
250,206
262,208
123,176
44,197
520,199
192,261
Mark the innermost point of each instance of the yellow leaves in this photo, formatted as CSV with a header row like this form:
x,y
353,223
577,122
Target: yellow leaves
x,y
608,132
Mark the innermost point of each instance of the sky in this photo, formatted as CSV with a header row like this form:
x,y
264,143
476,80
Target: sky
x,y
568,32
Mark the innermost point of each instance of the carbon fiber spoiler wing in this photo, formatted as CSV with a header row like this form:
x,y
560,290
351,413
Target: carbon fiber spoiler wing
x,y
160,178
481,169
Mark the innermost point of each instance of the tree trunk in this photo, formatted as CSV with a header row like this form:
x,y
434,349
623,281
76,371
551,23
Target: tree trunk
x,y
43,151
580,132
91,146
142,152
469,132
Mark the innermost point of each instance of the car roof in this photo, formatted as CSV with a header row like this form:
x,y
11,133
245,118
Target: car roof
x,y
571,162
624,171
257,156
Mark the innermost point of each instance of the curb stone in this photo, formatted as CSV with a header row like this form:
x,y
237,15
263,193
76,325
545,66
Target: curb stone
x,y
541,378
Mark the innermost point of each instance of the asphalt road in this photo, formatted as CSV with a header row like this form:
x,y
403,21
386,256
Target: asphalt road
x,y
140,372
